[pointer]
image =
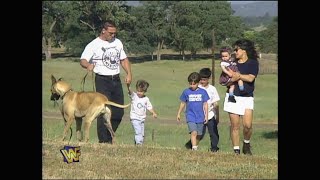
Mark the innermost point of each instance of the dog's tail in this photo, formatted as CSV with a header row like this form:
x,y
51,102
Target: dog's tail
x,y
117,105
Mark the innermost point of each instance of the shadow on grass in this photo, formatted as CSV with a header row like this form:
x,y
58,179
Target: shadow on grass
x,y
271,135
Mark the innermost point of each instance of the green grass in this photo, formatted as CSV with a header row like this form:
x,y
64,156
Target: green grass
x,y
164,156
167,80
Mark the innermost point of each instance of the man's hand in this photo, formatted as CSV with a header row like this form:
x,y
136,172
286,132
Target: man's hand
x,y
128,80
86,65
129,90
90,67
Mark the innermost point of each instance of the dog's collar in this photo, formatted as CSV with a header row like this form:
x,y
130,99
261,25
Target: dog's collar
x,y
65,93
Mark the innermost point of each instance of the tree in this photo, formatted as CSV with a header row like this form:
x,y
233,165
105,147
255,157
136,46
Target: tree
x,y
181,31
180,25
85,22
142,38
157,12
192,23
52,21
251,35
267,40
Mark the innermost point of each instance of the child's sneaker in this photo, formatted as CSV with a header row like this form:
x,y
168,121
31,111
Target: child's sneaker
x,y
231,99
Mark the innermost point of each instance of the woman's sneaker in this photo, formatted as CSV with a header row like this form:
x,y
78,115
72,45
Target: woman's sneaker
x,y
237,151
194,148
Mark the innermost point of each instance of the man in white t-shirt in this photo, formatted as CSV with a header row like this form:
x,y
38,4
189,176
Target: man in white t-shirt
x,y
212,125
103,56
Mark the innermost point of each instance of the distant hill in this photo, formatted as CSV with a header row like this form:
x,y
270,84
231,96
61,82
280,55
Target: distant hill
x,y
133,3
255,9
244,8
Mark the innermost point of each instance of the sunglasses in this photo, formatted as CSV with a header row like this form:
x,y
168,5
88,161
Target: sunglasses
x,y
236,49
111,33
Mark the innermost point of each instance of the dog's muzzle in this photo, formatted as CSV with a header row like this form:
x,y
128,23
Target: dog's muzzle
x,y
54,97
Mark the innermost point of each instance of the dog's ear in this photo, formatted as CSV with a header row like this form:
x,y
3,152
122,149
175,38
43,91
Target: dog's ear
x,y
53,79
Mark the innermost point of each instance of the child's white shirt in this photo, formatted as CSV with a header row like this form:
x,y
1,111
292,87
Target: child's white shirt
x,y
139,106
214,97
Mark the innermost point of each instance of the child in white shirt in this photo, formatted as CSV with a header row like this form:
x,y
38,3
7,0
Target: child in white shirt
x,y
139,106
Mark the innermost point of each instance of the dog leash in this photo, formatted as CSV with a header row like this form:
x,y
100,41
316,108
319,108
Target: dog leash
x,y
55,103
84,80
93,82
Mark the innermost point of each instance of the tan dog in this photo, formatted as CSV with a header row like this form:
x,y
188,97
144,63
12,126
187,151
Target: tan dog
x,y
80,106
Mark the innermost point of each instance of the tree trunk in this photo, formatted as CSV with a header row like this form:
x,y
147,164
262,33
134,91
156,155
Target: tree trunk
x,y
212,52
160,45
193,54
46,47
46,43
183,55
158,51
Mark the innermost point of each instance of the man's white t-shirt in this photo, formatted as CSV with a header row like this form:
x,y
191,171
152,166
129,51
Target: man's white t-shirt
x,y
139,107
106,56
214,97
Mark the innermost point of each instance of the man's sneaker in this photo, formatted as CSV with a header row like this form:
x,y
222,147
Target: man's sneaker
x,y
188,145
237,151
246,149
214,150
231,99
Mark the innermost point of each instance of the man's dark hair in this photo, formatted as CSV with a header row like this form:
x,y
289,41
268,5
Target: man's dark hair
x,y
109,23
142,84
205,73
194,77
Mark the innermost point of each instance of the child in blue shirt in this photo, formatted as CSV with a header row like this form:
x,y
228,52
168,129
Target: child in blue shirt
x,y
195,100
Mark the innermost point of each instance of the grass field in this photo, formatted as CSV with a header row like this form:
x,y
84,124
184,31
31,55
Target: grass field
x,y
163,155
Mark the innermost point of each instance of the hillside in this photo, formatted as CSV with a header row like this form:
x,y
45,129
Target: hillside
x,y
244,8
255,9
